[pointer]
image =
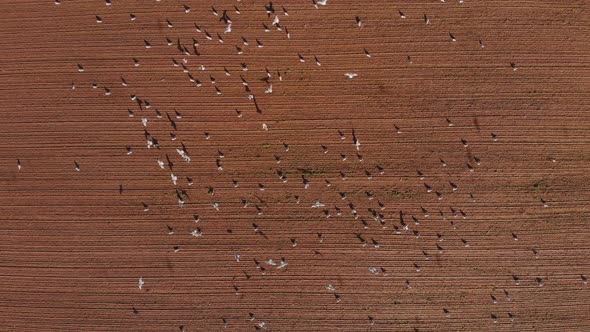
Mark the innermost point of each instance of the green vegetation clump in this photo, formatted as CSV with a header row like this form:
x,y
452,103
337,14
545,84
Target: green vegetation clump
x,y
311,171
539,186
408,194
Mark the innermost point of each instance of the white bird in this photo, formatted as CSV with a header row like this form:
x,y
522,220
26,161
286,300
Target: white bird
x,y
174,178
318,204
140,283
196,233
351,75
269,90
321,2
183,155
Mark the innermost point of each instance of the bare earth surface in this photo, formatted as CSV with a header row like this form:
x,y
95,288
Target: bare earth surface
x,y
463,205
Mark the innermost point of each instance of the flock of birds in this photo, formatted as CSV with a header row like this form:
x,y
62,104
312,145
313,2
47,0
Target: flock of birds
x,y
167,154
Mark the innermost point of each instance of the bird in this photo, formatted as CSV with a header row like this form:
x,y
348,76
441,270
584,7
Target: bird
x,y
359,23
351,75
356,142
318,204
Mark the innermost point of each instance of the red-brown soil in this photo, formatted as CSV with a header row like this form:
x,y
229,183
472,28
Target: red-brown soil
x,y
514,256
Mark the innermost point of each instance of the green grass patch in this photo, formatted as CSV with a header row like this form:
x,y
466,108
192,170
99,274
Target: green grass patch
x,y
540,186
408,194
311,171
